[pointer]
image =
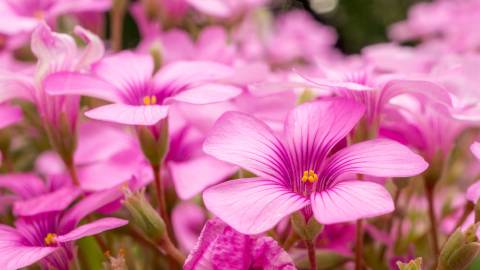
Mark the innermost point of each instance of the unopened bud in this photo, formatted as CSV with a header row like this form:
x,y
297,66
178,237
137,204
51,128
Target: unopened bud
x,y
411,265
307,230
144,215
460,250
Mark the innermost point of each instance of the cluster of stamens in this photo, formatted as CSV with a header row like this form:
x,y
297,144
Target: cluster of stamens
x,y
309,176
50,239
149,100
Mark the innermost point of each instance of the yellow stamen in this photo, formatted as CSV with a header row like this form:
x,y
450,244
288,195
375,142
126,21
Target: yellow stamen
x,y
309,176
50,239
149,100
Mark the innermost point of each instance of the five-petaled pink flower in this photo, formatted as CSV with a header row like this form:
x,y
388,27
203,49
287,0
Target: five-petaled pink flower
x,y
296,170
138,95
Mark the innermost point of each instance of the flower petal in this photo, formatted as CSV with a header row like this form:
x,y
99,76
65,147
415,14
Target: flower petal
x,y
25,185
313,129
193,176
14,254
75,83
475,148
54,51
207,93
247,142
9,115
145,115
180,74
428,90
88,205
125,69
473,192
252,205
378,157
96,227
55,201
350,201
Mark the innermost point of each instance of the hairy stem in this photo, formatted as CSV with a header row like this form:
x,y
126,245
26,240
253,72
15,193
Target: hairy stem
x,y
311,254
160,190
433,220
359,245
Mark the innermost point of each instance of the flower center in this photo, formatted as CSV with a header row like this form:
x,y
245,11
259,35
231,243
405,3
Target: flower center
x,y
309,176
50,239
149,100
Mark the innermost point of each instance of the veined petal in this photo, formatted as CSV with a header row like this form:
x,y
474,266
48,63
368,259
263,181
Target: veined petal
x,y
14,254
55,201
378,157
193,176
350,201
475,148
249,143
313,129
96,227
25,185
125,70
75,83
207,93
144,115
54,51
88,205
429,90
252,205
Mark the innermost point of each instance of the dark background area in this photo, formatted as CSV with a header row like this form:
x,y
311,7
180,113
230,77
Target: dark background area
x,y
358,22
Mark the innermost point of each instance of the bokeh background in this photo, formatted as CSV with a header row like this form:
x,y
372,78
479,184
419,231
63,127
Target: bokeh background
x,y
358,22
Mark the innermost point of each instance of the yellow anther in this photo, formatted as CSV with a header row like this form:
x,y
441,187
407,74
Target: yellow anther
x,y
149,100
309,176
50,239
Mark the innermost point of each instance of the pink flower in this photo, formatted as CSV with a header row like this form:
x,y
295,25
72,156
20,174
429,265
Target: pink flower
x,y
55,52
46,230
23,16
295,171
221,247
190,168
137,97
9,115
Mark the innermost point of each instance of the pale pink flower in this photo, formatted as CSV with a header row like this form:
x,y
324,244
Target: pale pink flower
x,y
295,171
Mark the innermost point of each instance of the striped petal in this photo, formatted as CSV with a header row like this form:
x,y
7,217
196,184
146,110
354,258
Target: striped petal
x,y
350,201
252,205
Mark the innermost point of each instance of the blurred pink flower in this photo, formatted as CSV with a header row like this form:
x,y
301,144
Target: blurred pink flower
x,y
137,97
188,220
295,172
221,247
23,16
225,9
